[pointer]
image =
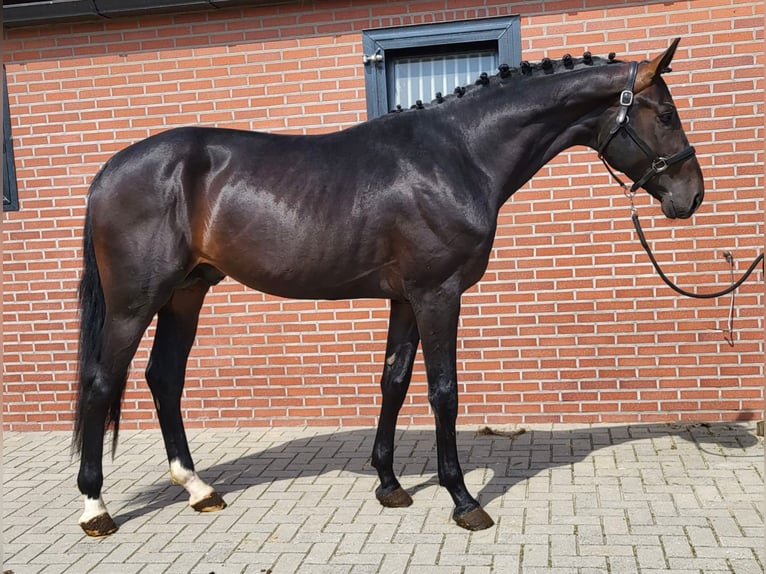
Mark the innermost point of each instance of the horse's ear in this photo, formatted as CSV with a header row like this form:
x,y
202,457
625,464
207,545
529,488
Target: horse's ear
x,y
649,71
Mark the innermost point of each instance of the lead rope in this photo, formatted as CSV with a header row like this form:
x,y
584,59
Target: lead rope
x,y
645,244
728,332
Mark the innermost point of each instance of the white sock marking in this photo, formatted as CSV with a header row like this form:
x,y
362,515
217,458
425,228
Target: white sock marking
x,y
197,488
93,507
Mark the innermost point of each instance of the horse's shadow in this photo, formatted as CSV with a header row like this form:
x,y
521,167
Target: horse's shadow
x,y
509,459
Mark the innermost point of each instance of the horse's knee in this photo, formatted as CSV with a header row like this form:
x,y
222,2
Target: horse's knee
x,y
393,386
443,399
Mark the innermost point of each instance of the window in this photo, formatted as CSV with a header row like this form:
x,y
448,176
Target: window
x,y
410,63
10,192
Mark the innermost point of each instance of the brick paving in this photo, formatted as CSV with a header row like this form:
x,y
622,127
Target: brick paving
x,y
566,499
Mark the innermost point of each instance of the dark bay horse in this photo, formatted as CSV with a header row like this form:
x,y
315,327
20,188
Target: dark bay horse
x,y
403,207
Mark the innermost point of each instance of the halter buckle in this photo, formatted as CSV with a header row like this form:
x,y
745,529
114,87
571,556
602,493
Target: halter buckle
x,y
660,164
626,98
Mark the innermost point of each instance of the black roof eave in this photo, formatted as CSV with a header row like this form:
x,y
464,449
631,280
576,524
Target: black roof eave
x,y
33,13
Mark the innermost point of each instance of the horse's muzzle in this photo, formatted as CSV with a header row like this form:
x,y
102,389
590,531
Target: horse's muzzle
x,y
674,208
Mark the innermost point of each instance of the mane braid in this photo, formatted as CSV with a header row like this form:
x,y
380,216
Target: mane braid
x,y
524,71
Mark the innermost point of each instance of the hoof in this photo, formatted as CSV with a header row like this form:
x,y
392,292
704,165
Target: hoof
x,y
101,525
395,499
210,503
475,519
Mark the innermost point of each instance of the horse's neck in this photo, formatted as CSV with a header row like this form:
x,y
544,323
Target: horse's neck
x,y
518,129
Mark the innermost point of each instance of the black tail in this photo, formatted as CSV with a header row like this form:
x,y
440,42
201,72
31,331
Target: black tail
x,y
92,313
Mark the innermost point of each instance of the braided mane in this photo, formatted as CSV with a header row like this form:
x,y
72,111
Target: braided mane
x,y
525,69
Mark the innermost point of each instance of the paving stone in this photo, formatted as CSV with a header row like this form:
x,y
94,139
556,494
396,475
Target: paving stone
x,y
746,566
650,557
535,555
622,564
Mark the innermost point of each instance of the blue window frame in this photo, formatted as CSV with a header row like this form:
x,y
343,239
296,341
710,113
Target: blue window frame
x,y
10,191
410,63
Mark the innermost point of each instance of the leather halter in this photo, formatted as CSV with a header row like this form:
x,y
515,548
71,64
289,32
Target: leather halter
x,y
622,122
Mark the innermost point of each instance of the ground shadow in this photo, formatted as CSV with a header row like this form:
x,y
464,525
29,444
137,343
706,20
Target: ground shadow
x,y
511,459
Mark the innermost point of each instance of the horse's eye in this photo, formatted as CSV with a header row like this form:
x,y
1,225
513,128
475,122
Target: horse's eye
x,y
666,118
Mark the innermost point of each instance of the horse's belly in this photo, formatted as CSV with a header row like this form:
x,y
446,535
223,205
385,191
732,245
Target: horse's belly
x,y
305,281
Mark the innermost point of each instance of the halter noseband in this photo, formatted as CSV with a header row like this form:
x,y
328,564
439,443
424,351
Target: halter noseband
x,y
658,163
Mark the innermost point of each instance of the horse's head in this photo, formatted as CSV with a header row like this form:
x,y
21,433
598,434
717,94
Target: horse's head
x,y
642,136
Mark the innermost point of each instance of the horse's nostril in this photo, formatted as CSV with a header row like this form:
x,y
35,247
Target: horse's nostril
x,y
698,200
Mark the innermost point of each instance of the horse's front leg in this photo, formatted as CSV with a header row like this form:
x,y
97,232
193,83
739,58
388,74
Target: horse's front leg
x,y
437,318
401,348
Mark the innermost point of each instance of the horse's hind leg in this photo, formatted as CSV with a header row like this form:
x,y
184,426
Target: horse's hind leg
x,y
102,385
176,329
401,347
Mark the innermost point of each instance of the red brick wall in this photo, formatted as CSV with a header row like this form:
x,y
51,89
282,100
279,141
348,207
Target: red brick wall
x,y
569,323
